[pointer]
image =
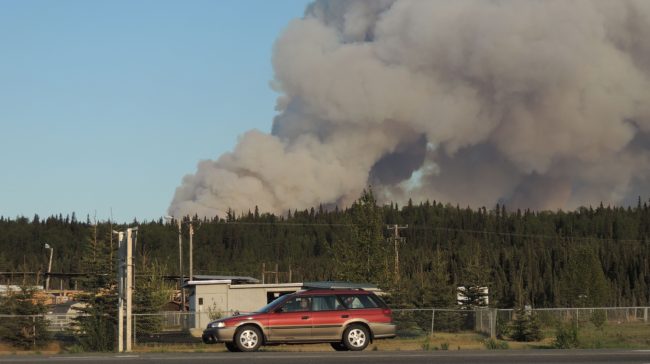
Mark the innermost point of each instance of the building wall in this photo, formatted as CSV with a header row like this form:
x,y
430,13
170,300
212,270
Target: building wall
x,y
209,300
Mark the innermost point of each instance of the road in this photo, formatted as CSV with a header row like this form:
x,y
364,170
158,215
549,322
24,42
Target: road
x,y
370,357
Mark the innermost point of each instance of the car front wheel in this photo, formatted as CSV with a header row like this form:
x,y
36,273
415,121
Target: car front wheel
x,y
248,338
356,337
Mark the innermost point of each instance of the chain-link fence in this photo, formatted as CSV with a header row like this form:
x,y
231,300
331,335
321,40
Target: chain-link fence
x,y
422,321
186,327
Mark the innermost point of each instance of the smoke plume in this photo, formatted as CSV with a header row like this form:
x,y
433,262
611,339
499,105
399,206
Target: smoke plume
x,y
535,104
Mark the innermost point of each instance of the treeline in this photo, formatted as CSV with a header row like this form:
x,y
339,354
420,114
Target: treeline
x,y
589,257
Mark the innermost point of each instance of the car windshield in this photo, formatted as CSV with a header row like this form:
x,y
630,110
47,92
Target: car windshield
x,y
271,305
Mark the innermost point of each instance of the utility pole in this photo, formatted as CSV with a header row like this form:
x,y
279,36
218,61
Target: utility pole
x,y
126,284
396,241
181,278
180,265
49,267
120,298
129,288
191,235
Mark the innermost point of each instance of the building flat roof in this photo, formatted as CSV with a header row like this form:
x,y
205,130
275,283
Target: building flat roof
x,y
267,285
211,281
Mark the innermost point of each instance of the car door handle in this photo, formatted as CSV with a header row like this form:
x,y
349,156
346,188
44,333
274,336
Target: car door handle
x,y
305,317
345,316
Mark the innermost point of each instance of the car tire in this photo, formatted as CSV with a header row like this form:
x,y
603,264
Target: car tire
x,y
232,347
339,347
248,338
356,337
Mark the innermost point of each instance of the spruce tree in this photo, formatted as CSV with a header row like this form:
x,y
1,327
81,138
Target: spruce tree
x,y
151,293
363,256
96,326
28,328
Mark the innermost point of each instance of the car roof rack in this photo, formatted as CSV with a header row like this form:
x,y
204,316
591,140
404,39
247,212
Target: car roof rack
x,y
338,285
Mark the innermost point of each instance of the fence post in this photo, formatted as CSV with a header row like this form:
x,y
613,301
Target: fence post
x,y
645,315
433,316
135,330
34,331
493,323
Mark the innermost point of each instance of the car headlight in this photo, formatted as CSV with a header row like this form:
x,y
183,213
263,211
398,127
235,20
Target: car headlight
x,y
213,325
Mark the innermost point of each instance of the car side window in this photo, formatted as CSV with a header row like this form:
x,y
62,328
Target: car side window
x,y
296,304
326,303
358,301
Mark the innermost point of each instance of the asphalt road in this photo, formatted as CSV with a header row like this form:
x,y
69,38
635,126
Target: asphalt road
x,y
370,357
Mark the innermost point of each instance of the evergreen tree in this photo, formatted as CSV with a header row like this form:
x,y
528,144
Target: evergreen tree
x,y
526,327
363,256
97,325
583,282
29,328
151,293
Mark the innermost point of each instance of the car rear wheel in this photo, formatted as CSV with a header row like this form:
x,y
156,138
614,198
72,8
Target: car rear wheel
x,y
356,337
248,338
232,347
339,347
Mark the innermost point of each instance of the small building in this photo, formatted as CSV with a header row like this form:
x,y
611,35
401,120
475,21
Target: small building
x,y
210,299
225,297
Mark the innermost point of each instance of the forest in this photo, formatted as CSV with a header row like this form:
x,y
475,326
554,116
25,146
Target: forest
x,y
593,256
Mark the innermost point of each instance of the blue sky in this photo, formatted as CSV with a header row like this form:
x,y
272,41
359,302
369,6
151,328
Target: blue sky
x,y
106,105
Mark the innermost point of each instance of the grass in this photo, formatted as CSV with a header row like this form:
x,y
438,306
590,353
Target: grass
x,y
615,336
611,336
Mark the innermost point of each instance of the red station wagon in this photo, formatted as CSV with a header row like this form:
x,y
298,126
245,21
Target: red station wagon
x,y
349,319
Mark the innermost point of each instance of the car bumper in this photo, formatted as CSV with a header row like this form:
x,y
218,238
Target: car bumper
x,y
218,335
383,331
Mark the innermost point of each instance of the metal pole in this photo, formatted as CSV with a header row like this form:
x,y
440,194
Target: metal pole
x,y
180,266
129,287
135,329
49,269
433,317
191,235
120,308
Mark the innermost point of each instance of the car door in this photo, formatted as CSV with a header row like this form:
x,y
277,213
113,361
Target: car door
x,y
328,317
292,321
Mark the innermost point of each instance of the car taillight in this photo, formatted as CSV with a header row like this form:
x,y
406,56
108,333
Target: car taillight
x,y
387,311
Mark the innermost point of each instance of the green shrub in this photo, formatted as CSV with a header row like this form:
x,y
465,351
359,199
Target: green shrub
x,y
566,335
427,346
598,318
492,344
503,329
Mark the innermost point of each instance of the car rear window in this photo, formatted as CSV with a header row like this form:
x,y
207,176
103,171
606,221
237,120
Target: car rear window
x,y
354,301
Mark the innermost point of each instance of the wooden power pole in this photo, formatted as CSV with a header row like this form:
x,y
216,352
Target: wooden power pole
x,y
396,241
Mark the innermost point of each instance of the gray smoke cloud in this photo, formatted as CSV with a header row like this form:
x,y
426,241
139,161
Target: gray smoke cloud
x,y
535,104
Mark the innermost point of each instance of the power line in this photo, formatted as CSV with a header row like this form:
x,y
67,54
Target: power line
x,y
284,223
566,237
433,228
